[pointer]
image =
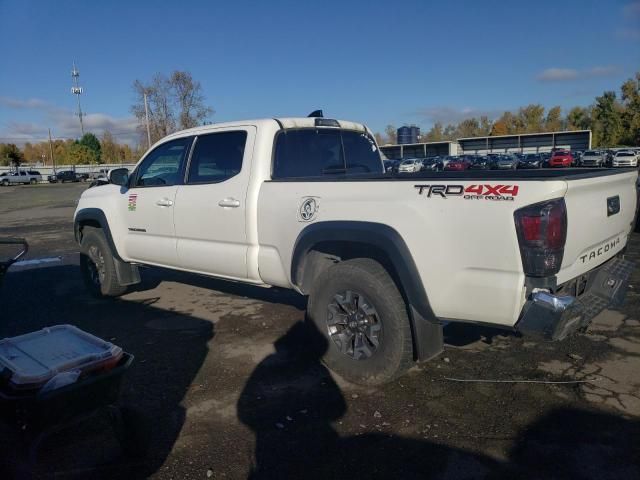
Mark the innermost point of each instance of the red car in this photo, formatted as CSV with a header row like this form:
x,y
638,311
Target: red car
x,y
561,158
458,164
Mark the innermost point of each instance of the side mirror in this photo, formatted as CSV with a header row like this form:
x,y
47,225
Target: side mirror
x,y
119,176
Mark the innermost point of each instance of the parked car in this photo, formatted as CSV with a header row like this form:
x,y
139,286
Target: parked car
x,y
545,156
63,176
20,177
410,165
531,160
481,162
561,158
433,164
625,158
593,158
391,166
458,164
507,161
380,282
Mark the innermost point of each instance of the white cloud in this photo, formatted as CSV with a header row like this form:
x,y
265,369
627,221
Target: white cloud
x,y
447,115
556,74
64,123
21,104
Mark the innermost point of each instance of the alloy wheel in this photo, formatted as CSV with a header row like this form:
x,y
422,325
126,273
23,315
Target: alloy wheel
x,y
354,325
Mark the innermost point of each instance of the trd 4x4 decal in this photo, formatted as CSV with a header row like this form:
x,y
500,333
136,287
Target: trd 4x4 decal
x,y
471,192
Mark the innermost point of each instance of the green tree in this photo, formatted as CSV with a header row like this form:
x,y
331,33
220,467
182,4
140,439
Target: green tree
x,y
109,148
435,134
608,120
553,122
631,113
485,126
449,132
469,127
530,119
10,154
579,118
79,154
90,141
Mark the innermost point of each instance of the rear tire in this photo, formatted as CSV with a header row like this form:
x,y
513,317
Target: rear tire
x,y
357,307
5,183
98,265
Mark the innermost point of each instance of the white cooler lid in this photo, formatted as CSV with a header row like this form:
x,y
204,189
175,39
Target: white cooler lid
x,y
36,357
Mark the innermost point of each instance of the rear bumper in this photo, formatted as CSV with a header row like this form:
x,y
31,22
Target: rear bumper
x,y
554,316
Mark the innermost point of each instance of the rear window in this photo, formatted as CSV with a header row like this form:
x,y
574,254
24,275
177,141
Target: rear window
x,y
314,152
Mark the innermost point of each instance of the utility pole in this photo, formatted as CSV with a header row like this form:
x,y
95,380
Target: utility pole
x,y
146,113
77,91
53,162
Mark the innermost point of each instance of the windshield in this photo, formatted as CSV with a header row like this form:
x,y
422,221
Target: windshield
x,y
591,153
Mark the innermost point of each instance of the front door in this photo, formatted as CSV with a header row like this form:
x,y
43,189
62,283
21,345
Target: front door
x,y
210,208
149,204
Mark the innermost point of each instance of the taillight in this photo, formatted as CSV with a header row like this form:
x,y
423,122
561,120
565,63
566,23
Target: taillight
x,y
542,232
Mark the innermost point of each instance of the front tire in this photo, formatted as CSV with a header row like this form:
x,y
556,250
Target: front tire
x,y
98,266
357,307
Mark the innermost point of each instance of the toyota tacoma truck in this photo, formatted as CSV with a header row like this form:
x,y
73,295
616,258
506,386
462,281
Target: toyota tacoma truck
x,y
385,259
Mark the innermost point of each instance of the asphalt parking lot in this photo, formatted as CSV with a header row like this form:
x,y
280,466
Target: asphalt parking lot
x,y
228,380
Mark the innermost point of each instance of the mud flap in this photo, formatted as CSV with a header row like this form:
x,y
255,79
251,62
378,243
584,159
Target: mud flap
x,y
428,338
127,273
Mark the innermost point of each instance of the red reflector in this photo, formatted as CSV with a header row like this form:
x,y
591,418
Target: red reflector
x,y
531,228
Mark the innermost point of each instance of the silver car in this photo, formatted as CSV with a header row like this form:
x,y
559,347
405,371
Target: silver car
x,y
410,165
593,158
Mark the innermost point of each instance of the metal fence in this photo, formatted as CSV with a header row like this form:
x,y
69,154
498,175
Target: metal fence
x,y
48,170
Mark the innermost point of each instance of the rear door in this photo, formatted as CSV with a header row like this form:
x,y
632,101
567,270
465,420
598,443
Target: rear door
x,y
210,208
600,213
148,205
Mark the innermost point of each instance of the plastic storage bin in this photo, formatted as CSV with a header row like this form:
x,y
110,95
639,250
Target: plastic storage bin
x,y
28,362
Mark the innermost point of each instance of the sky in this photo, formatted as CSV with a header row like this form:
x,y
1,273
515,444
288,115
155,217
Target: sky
x,y
392,62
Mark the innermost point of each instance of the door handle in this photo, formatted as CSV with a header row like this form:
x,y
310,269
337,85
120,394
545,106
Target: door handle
x,y
164,202
229,202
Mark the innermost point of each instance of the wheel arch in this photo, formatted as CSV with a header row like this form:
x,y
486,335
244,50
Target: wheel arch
x,y
94,217
321,244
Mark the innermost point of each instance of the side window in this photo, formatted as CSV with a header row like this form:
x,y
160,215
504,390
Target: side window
x,y
217,157
162,166
361,153
308,153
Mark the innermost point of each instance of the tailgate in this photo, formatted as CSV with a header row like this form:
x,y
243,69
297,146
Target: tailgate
x,y
600,213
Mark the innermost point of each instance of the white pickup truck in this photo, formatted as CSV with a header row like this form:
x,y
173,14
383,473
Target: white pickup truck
x,y
386,260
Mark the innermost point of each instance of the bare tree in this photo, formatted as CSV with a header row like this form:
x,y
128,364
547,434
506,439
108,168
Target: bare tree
x,y
174,103
190,100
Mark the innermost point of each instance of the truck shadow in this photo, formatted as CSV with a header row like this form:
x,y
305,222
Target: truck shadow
x,y
153,276
292,403
167,360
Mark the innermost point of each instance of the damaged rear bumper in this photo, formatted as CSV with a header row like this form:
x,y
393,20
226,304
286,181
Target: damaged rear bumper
x,y
555,315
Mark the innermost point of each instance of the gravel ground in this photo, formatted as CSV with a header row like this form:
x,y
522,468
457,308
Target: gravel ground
x,y
227,382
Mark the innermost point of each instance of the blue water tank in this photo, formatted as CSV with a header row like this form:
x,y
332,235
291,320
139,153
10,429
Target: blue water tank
x,y
408,134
